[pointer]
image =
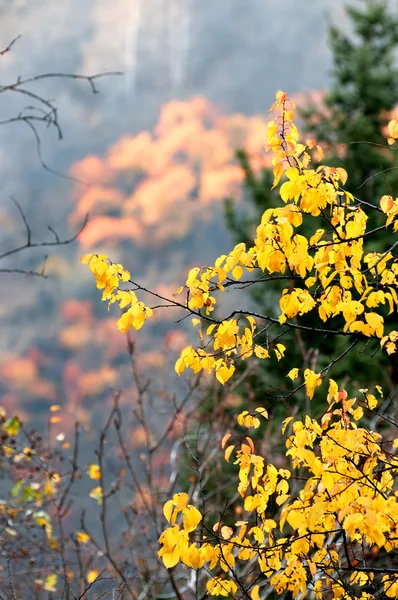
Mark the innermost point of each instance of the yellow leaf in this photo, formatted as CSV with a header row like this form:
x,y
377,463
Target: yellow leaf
x,y
82,537
237,272
55,407
310,281
50,582
92,575
333,391
312,567
386,203
96,493
191,518
286,423
250,442
168,509
170,559
85,259
226,532
281,499
312,380
224,373
371,401
393,130
374,319
252,322
293,374
225,440
254,594
228,452
342,175
279,351
94,472
358,413
262,411
260,352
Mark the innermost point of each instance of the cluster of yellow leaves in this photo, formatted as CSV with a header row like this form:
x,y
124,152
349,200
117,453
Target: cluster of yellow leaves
x,y
344,282
36,492
108,276
350,494
228,340
175,539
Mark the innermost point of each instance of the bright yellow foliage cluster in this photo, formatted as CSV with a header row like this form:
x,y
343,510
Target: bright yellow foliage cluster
x,y
307,528
333,276
108,276
349,501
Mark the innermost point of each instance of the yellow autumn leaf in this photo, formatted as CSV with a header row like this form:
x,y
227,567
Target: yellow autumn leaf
x,y
237,272
228,452
262,411
93,471
371,401
261,352
342,175
82,537
393,129
254,594
191,518
168,509
280,351
226,532
286,423
293,374
50,583
96,493
357,413
225,440
92,575
312,380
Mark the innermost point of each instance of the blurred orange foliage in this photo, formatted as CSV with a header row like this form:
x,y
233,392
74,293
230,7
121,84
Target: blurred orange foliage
x,y
141,189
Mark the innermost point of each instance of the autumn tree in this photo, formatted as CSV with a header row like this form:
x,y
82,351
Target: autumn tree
x,y
350,123
39,112
325,521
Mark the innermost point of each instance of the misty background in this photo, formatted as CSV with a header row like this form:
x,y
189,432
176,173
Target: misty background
x,y
188,66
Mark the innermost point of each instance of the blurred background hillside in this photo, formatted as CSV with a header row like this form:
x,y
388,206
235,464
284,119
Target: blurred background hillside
x,y
153,154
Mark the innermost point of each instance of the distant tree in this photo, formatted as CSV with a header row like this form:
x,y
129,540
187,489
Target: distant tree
x,y
39,111
351,126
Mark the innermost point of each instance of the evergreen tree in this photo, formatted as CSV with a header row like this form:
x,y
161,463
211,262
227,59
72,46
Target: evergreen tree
x,y
356,110
364,90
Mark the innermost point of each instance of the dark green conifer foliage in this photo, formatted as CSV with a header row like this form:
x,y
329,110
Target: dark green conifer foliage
x,y
363,92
